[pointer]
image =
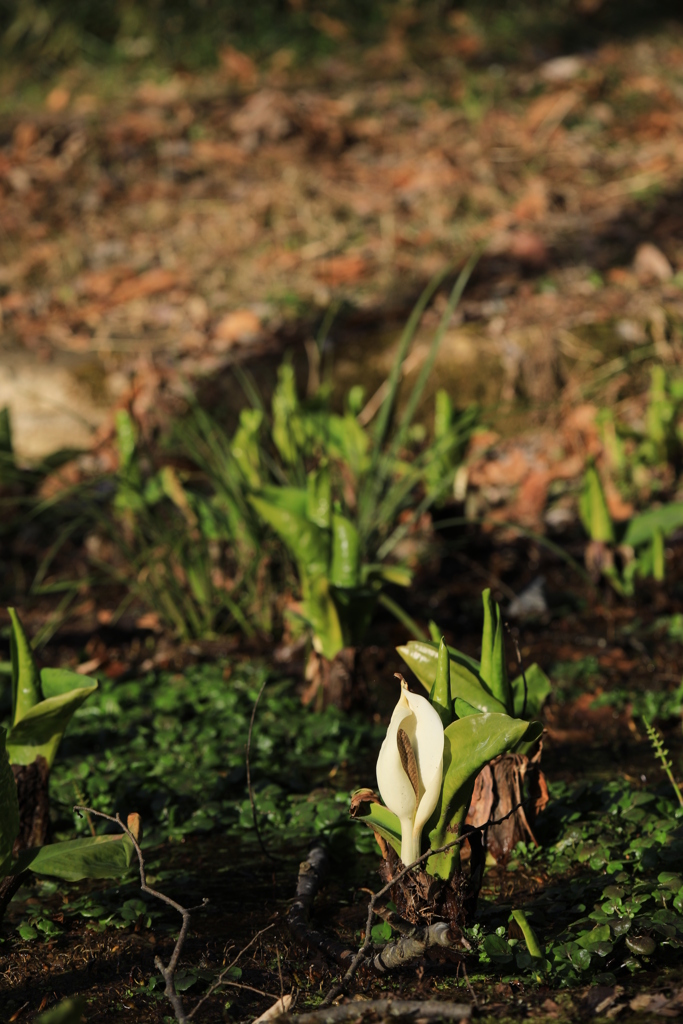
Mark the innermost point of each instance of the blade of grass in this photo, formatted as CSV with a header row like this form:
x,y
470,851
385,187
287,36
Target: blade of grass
x,y
403,617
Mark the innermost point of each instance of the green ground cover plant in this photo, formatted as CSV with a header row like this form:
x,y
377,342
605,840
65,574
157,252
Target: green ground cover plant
x,y
609,849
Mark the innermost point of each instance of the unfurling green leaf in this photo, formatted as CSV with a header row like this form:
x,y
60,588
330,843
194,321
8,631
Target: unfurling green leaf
x,y
493,668
532,943
284,509
25,678
285,407
245,448
593,509
42,705
319,497
538,687
345,564
440,693
41,729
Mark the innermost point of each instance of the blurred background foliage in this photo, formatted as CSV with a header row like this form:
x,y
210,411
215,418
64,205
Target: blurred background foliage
x,y
190,33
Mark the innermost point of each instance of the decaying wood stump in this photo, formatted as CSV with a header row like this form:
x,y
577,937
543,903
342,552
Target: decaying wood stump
x,y
34,818
499,788
332,681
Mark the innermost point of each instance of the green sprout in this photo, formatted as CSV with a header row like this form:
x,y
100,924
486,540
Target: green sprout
x,y
43,702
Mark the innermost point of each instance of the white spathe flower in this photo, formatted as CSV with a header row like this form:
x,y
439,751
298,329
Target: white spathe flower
x,y
410,767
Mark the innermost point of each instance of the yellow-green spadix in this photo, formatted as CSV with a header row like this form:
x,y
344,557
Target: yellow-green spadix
x,y
410,767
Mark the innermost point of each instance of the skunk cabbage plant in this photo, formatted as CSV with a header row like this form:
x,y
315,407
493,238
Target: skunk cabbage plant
x,y
42,702
92,857
433,751
338,590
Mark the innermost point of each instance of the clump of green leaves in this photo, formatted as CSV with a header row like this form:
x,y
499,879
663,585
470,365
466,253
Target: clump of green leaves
x,y
346,495
300,495
190,555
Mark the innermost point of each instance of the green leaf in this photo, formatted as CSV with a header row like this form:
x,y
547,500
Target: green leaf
x,y
462,709
126,440
9,808
40,730
538,687
435,632
319,497
381,820
25,679
345,564
349,442
55,682
245,448
285,406
69,1011
284,509
469,744
320,611
642,528
422,657
493,668
399,575
92,857
443,414
498,949
381,932
440,694
593,509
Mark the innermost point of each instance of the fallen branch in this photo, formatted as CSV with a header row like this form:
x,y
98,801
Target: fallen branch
x,y
312,871
411,947
429,1010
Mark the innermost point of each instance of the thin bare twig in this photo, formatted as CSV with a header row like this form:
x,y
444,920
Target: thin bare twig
x,y
220,980
264,851
362,953
279,971
168,971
